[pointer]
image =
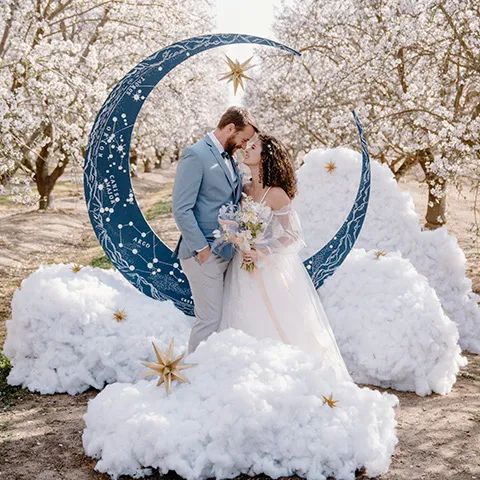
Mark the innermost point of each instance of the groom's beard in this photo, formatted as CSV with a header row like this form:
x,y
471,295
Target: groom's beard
x,y
231,146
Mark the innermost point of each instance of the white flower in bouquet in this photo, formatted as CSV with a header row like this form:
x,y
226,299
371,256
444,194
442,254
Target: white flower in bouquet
x,y
242,225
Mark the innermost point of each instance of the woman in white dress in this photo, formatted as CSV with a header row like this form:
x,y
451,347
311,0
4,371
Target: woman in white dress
x,y
277,299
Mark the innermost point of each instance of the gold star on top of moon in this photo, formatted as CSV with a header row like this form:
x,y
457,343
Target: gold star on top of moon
x,y
167,367
237,72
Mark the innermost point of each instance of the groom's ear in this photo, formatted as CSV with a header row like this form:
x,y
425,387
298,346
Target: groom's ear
x,y
231,128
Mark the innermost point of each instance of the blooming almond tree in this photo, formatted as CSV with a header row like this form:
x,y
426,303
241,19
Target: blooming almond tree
x,y
409,68
58,61
181,108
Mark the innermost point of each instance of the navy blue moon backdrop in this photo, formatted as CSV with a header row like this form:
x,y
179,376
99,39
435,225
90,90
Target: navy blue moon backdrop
x,y
129,242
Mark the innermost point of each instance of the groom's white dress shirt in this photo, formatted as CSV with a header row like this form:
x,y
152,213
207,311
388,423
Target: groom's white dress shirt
x,y
226,160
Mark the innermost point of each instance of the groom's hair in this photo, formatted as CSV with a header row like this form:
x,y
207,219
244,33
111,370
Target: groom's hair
x,y
239,116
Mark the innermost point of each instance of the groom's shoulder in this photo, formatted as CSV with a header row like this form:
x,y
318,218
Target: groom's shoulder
x,y
196,148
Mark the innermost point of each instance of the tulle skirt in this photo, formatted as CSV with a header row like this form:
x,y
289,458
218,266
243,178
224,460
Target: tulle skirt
x,y
278,300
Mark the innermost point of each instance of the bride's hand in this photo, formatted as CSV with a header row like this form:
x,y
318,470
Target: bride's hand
x,y
250,256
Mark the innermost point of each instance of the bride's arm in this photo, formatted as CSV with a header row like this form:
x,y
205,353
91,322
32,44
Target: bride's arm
x,y
284,233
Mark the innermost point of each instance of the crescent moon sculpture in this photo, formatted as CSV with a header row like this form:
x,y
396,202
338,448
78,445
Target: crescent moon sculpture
x,y
324,263
123,232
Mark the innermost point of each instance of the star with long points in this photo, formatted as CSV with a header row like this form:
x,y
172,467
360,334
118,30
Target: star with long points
x,y
167,367
329,401
330,166
120,315
237,72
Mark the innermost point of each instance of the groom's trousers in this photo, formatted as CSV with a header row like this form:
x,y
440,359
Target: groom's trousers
x,y
206,283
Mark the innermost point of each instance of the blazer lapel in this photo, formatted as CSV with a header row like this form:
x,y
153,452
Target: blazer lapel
x,y
221,161
238,187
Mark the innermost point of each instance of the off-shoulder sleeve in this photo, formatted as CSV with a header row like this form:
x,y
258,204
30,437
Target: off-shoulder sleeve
x,y
283,235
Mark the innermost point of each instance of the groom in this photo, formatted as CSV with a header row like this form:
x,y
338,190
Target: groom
x,y
207,177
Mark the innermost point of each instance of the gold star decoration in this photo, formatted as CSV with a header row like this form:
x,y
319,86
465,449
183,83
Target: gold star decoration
x,y
120,315
76,268
237,72
330,166
380,253
167,367
329,401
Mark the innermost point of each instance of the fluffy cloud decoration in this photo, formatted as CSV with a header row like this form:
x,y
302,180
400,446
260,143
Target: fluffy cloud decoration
x,y
252,406
391,224
63,336
387,320
390,326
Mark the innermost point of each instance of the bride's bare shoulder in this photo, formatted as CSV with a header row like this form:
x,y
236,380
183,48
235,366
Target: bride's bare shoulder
x,y
277,198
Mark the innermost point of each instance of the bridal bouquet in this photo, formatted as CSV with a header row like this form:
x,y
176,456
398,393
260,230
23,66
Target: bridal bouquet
x,y
242,225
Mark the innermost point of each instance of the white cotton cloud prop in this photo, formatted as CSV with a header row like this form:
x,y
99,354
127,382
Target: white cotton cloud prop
x,y
252,406
63,336
391,223
390,326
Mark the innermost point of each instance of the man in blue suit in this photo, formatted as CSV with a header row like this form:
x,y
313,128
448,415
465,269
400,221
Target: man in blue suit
x,y
207,177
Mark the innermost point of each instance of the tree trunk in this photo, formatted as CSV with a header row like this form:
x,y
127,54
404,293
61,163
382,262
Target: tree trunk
x,y
159,157
43,180
437,205
176,155
45,190
133,163
147,166
406,164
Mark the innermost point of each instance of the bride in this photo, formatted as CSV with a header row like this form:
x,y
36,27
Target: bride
x,y
277,299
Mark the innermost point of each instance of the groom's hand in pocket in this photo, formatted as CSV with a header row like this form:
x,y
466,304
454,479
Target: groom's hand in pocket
x,y
203,255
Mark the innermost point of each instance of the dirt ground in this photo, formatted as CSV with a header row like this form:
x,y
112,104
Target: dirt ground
x,y
40,435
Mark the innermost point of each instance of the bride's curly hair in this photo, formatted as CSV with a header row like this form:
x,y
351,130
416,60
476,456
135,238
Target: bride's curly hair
x,y
276,165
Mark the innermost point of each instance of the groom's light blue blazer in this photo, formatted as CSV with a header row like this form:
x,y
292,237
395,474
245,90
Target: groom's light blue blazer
x,y
202,185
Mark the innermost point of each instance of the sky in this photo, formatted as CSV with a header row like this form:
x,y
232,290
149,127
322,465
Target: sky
x,y
254,17
247,16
